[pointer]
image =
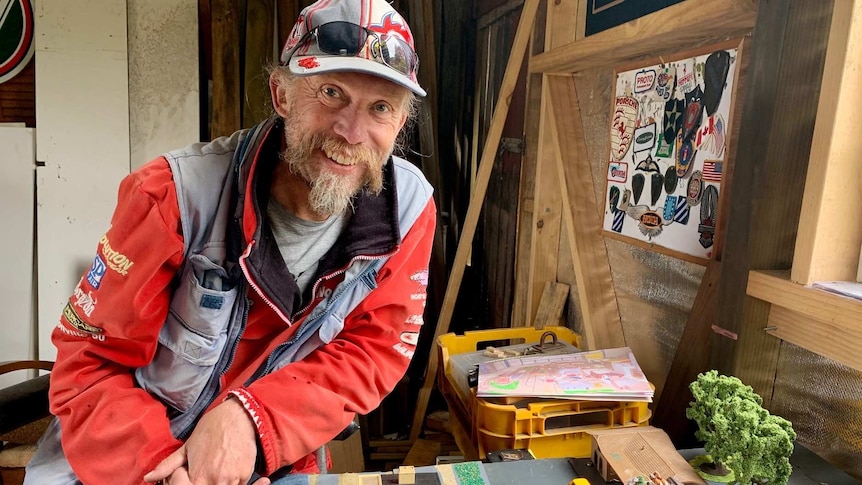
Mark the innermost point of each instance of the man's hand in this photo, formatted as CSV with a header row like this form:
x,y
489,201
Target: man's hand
x,y
220,451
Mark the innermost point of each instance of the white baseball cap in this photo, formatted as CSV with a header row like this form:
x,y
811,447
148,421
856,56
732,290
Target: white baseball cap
x,y
353,35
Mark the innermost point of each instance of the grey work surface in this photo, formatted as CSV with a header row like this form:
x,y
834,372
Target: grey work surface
x,y
808,469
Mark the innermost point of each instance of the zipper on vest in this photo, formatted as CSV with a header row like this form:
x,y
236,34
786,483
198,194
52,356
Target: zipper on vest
x,y
267,367
269,303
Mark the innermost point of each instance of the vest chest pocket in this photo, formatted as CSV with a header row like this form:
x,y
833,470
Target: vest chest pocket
x,y
193,336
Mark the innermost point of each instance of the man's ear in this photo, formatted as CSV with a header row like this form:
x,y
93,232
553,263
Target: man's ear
x,y
278,93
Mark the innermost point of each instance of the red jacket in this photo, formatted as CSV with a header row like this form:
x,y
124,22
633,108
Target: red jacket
x,y
115,432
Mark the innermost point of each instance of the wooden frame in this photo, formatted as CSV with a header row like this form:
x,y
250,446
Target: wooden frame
x,y
729,152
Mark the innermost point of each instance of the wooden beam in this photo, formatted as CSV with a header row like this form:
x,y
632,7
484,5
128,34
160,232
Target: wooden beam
x,y
596,294
691,358
684,24
816,320
259,52
501,111
827,244
226,82
521,312
547,217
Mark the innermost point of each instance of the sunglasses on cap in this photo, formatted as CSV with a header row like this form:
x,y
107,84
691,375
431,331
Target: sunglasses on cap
x,y
348,39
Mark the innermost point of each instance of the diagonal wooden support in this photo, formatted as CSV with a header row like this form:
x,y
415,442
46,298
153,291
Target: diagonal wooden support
x,y
596,294
489,153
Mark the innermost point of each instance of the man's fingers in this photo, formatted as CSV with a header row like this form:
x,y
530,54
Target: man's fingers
x,y
262,481
167,466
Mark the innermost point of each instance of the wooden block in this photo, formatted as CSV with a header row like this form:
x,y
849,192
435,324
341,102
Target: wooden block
x,y
551,305
423,453
406,475
347,455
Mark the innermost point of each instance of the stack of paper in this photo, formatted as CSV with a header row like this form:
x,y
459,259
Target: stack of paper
x,y
600,375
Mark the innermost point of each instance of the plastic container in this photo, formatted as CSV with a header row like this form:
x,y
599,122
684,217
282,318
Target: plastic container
x,y
549,428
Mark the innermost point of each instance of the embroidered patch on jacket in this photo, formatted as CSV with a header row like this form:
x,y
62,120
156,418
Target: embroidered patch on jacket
x,y
213,302
97,271
115,260
76,321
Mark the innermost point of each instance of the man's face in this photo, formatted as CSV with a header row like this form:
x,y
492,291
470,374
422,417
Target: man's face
x,y
340,129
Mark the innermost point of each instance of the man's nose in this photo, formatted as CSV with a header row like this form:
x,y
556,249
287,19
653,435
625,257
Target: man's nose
x,y
351,126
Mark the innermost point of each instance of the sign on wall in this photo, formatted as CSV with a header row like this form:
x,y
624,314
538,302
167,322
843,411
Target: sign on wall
x,y
16,37
669,139
604,14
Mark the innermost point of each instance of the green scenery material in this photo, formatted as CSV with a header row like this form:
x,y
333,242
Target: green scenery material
x,y
738,432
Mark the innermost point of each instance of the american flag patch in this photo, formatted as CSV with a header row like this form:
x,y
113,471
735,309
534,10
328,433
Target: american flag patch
x,y
712,170
680,213
619,217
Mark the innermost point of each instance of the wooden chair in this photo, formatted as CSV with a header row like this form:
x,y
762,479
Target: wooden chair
x,y
24,416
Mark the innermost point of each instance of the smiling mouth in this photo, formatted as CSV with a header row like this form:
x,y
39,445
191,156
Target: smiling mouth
x,y
340,158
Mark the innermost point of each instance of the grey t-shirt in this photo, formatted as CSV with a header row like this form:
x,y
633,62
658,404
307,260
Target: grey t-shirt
x,y
302,243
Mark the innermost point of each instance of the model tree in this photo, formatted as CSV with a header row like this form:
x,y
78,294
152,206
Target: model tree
x,y
738,433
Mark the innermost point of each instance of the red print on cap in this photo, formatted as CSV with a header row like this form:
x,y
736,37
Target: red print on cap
x,y
308,63
393,22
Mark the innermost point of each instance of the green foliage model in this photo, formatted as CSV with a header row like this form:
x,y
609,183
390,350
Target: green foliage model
x,y
738,432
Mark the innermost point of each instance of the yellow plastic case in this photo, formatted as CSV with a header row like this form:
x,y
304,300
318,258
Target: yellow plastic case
x,y
549,428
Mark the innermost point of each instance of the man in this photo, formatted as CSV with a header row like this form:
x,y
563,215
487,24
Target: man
x,y
254,293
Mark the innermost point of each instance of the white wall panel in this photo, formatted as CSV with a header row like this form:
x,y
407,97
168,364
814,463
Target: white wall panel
x,y
82,104
17,161
164,79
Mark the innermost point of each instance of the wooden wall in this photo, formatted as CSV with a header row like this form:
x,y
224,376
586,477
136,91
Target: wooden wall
x,y
18,97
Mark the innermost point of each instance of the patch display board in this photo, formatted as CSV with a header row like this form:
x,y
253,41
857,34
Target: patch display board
x,y
669,139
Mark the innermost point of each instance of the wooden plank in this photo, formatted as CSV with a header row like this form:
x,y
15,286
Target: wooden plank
x,y
827,246
776,288
817,334
226,81
259,53
684,24
562,27
669,412
786,57
551,305
596,294
423,453
527,190
516,57
547,215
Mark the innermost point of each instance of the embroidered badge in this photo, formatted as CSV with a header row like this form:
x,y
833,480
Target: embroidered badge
x,y
644,138
619,218
624,120
638,181
695,188
714,79
684,156
665,84
97,271
656,182
114,259
708,211
614,198
76,321
650,224
712,170
644,80
681,211
670,180
693,112
618,172
213,302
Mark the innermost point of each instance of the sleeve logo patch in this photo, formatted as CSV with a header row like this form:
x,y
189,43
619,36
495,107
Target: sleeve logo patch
x,y
115,260
75,321
97,271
